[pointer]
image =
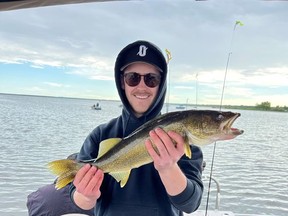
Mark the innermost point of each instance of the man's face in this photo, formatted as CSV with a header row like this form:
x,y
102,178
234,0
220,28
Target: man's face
x,y
140,96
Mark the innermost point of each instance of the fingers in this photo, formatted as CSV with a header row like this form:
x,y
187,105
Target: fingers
x,y
88,181
81,173
152,152
162,141
168,144
164,148
178,139
96,181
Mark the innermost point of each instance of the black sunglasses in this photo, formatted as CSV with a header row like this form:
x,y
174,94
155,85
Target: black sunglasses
x,y
151,79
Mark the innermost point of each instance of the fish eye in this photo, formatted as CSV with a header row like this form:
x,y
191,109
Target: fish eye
x,y
220,117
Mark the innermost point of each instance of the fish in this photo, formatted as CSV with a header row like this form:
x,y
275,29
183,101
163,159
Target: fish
x,y
118,157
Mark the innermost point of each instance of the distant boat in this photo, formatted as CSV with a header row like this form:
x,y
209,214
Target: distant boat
x,y
96,106
180,107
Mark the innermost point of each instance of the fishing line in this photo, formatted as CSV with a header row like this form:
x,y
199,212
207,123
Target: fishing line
x,y
220,107
227,64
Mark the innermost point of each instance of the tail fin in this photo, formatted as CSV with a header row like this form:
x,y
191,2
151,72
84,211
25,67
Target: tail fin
x,y
65,170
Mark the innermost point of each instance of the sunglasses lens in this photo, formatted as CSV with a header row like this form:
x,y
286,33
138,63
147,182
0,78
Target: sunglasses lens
x,y
151,80
132,79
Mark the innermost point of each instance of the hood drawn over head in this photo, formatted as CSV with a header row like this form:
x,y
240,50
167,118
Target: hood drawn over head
x,y
147,52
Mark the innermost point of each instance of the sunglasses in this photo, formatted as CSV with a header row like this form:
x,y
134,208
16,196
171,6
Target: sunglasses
x,y
133,79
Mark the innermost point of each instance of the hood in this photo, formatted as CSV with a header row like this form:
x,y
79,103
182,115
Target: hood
x,y
142,51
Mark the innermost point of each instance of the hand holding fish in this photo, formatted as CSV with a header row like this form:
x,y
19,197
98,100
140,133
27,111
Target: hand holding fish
x,y
87,182
170,148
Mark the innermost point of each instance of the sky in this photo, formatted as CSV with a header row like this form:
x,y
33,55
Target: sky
x,y
70,50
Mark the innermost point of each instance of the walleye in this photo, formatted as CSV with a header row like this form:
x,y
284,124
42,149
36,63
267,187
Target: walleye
x,y
119,156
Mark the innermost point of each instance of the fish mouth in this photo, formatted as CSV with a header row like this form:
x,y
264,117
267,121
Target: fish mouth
x,y
226,126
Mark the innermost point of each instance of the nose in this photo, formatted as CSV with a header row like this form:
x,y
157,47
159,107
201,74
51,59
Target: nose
x,y
142,83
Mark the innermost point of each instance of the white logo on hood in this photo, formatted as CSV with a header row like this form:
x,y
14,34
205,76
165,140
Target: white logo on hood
x,y
142,50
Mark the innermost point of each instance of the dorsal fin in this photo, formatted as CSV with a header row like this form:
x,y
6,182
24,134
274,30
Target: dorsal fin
x,y
106,145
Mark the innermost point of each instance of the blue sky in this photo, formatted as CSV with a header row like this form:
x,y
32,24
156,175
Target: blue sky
x,y
69,51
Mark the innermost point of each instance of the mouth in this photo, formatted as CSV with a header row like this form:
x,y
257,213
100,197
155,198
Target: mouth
x,y
141,96
226,126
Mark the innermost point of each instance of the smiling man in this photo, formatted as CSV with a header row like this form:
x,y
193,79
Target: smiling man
x,y
171,184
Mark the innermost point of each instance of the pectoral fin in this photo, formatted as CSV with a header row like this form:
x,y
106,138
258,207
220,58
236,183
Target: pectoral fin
x,y
187,150
121,177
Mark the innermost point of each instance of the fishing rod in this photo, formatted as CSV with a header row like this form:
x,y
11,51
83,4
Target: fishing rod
x,y
169,57
221,103
228,60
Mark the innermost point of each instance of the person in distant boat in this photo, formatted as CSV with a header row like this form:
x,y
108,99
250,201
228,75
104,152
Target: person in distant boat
x,y
170,185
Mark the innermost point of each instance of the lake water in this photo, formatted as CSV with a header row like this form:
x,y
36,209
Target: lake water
x,y
252,169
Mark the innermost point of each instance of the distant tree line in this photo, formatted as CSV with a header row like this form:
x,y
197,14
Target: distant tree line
x,y
264,106
267,107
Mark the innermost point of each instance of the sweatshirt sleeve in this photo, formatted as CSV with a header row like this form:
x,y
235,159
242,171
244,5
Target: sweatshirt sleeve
x,y
189,200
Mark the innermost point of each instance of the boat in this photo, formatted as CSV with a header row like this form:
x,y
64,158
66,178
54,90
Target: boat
x,y
96,106
217,212
180,107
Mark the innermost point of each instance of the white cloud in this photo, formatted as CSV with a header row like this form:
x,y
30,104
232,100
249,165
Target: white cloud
x,y
60,85
84,40
33,89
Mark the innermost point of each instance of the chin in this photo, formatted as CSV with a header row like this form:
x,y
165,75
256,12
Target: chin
x,y
140,110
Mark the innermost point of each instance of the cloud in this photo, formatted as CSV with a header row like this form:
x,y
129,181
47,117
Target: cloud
x,y
33,89
83,41
59,85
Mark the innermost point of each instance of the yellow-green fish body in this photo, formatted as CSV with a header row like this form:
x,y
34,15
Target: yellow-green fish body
x,y
119,156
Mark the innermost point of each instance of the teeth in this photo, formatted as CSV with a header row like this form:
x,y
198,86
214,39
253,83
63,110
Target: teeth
x,y
141,96
228,124
232,120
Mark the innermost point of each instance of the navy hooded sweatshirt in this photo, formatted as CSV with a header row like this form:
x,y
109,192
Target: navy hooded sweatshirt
x,y
144,193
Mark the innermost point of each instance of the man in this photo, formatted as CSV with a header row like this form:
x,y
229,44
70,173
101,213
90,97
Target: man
x,y
168,186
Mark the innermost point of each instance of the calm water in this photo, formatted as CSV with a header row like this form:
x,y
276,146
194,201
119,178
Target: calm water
x,y
251,169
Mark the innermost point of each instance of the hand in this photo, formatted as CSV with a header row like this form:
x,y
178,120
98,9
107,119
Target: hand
x,y
87,182
170,148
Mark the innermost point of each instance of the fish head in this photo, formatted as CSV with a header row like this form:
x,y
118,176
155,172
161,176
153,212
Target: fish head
x,y
227,119
206,127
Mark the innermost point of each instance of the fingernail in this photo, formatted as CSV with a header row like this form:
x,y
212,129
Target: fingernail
x,y
158,129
